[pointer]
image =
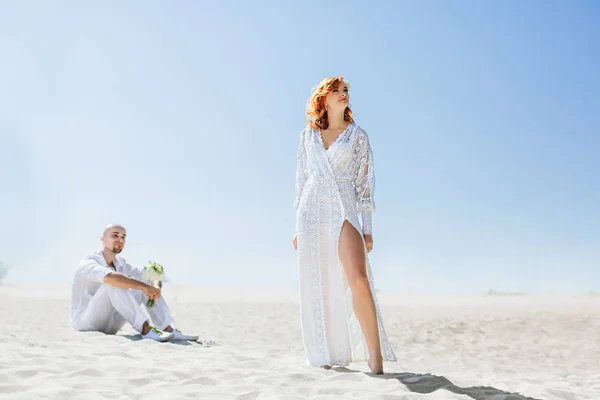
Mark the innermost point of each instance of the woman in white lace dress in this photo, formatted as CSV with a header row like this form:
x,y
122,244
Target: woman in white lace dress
x,y
341,320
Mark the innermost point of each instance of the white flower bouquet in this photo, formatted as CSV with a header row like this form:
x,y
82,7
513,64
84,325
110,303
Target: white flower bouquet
x,y
155,273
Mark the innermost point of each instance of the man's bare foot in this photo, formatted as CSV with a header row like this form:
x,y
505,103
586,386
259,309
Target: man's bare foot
x,y
145,328
326,366
376,366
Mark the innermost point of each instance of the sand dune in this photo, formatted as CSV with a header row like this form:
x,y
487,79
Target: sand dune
x,y
484,347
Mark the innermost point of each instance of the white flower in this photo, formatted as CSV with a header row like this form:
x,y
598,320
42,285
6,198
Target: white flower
x,y
153,271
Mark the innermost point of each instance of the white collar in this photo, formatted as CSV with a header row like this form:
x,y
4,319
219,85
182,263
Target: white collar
x,y
118,262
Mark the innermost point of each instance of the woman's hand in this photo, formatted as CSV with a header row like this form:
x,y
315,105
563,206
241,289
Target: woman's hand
x,y
369,242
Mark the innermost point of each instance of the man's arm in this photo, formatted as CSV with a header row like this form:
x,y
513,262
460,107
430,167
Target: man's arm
x,y
124,282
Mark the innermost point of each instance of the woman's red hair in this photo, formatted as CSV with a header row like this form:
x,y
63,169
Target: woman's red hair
x,y
315,110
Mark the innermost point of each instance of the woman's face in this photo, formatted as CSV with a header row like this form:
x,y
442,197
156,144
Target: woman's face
x,y
338,99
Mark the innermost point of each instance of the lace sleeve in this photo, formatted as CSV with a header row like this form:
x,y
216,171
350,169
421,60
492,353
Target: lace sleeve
x,y
365,183
300,170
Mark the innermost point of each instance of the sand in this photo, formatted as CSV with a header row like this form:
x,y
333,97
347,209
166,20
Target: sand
x,y
484,347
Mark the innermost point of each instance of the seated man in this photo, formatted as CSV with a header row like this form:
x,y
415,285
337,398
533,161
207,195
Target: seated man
x,y
107,292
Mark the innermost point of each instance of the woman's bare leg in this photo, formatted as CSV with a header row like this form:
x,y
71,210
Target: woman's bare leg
x,y
352,256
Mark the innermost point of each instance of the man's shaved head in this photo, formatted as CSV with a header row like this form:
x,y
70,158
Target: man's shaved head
x,y
113,238
113,226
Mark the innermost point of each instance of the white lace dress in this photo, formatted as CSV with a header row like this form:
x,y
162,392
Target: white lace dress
x,y
332,186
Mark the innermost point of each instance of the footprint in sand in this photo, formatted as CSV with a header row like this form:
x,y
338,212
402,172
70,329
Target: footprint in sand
x,y
302,378
248,396
348,377
139,381
26,373
200,381
332,391
87,372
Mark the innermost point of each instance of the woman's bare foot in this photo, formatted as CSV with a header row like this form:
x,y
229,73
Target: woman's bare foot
x,y
326,366
376,366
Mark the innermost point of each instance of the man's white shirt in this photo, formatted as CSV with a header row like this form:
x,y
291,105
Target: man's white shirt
x,y
89,277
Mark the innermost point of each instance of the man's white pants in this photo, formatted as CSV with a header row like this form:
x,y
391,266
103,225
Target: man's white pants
x,y
112,307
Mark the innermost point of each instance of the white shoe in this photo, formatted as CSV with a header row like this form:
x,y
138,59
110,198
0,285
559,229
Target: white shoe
x,y
158,335
178,335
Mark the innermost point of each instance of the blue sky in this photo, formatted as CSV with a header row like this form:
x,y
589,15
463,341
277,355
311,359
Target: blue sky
x,y
181,121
